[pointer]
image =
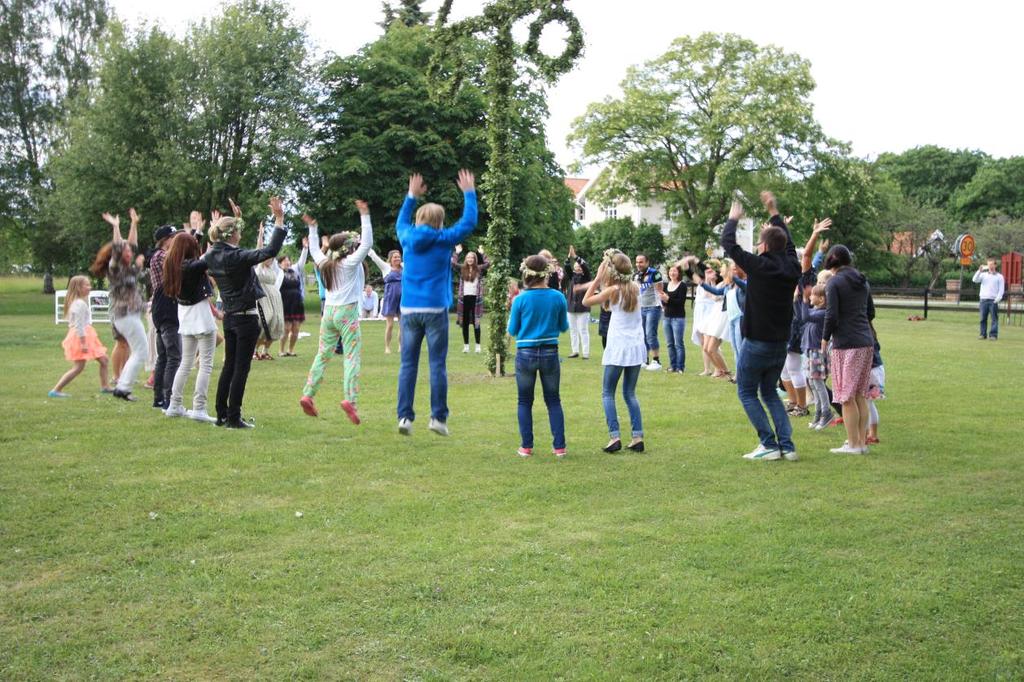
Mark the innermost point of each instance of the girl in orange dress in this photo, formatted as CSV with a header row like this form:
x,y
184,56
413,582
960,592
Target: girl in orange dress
x,y
81,343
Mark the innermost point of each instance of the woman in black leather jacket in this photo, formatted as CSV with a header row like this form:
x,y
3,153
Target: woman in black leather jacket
x,y
232,269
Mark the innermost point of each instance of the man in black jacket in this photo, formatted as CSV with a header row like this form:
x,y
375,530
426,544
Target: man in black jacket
x,y
231,268
772,272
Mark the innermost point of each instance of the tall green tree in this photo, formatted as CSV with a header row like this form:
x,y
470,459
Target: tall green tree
x,y
997,188
930,175
714,114
623,234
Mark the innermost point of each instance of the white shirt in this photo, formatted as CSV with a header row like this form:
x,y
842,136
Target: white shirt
x,y
992,285
625,338
196,319
350,280
469,287
79,316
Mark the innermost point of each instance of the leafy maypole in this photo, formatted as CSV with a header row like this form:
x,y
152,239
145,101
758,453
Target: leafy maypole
x,y
494,26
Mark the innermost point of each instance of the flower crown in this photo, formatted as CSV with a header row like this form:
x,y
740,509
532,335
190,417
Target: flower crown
x,y
351,243
228,230
527,272
613,272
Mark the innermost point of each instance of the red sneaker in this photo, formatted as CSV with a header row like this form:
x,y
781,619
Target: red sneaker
x,y
559,452
836,422
524,452
871,440
350,410
307,405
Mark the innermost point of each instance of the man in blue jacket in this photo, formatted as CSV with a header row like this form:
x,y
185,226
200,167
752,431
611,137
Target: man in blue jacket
x,y
427,296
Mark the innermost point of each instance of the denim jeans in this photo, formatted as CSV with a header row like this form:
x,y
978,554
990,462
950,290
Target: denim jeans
x,y
985,308
240,334
651,317
675,340
530,362
736,338
759,367
414,326
611,380
168,357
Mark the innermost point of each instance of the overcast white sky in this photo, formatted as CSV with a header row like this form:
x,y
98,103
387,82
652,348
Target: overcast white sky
x,y
890,75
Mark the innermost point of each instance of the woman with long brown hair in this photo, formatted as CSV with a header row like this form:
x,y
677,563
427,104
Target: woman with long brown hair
x,y
185,280
469,308
115,261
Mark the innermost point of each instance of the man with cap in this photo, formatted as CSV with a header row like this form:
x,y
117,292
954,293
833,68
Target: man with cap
x,y
165,320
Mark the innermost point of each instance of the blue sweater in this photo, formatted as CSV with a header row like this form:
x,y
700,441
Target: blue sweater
x,y
426,251
538,316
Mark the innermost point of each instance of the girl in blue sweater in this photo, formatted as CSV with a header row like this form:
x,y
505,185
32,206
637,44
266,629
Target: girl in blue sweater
x,y
539,314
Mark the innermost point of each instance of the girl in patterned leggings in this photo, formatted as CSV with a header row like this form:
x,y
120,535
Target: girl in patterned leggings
x,y
341,269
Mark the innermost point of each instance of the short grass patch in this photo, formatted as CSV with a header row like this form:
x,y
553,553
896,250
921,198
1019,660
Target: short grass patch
x,y
133,545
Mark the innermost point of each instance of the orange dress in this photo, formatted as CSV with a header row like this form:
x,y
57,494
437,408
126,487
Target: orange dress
x,y
79,328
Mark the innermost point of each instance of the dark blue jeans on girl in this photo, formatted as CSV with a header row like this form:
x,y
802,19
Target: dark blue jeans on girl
x,y
542,361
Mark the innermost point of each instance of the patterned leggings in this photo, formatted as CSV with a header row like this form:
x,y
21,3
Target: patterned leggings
x,y
338,321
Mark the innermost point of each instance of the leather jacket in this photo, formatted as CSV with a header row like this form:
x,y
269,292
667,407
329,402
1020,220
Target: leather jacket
x,y
231,267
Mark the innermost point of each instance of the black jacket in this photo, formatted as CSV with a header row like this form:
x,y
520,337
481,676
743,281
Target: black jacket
x,y
231,267
572,280
849,310
771,279
195,286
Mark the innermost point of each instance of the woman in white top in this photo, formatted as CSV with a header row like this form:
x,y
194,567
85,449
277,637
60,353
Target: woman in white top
x,y
625,352
343,276
185,280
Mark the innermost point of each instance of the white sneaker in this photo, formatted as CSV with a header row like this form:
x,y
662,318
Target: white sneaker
x,y
201,416
760,452
405,427
465,348
438,427
178,411
847,449
478,348
790,456
653,366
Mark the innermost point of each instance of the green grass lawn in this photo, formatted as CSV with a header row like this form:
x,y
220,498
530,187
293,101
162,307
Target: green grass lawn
x,y
132,545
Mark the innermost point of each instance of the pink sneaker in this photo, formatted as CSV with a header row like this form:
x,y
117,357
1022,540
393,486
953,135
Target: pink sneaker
x,y
350,410
524,452
559,452
308,406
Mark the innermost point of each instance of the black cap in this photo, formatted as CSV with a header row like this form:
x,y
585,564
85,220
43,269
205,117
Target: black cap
x,y
163,232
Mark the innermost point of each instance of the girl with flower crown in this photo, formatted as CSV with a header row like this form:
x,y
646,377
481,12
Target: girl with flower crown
x,y
341,270
539,314
626,351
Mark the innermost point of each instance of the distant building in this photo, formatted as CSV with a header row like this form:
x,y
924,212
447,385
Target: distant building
x,y
589,211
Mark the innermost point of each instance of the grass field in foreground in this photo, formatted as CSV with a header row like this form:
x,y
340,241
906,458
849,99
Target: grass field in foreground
x,y
132,545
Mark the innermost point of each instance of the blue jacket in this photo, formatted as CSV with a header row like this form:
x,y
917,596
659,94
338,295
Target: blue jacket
x,y
426,251
538,316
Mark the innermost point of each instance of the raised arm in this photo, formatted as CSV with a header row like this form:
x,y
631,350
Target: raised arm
x,y
300,264
747,261
455,257
417,188
484,262
115,223
768,200
366,234
254,256
133,230
807,261
458,232
382,264
313,239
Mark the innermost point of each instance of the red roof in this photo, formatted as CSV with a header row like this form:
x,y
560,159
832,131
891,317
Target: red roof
x,y
576,184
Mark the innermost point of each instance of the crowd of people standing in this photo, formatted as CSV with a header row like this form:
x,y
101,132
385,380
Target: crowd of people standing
x,y
791,327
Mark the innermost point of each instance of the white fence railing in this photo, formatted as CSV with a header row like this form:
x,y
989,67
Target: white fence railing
x,y
99,303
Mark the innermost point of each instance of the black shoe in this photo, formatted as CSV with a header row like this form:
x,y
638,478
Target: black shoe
x,y
613,447
160,404
636,447
574,355
221,421
124,395
239,424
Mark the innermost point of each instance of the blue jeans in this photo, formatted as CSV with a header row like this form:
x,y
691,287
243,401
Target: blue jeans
x,y
651,317
611,380
675,339
985,307
758,368
736,338
414,327
541,360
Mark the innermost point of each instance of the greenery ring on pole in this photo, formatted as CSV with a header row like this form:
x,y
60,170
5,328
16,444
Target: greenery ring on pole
x,y
550,67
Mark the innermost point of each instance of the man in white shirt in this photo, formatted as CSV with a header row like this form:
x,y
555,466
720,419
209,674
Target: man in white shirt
x,y
993,286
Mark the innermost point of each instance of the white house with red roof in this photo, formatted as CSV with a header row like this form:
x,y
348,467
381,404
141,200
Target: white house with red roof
x,y
589,211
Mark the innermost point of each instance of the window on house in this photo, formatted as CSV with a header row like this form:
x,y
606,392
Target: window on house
x,y
611,213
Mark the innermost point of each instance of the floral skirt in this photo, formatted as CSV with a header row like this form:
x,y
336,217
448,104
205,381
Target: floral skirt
x,y
851,372
815,364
